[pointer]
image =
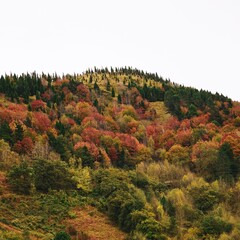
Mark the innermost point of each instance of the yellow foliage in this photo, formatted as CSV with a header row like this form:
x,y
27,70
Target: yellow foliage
x,y
192,234
198,183
224,236
8,158
82,178
177,197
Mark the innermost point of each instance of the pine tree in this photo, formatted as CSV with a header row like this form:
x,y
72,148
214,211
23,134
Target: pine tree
x,y
224,168
113,92
18,134
108,86
6,133
119,99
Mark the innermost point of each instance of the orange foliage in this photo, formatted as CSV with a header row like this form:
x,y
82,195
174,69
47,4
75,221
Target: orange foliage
x,y
84,109
166,140
24,147
204,150
40,121
38,105
13,112
185,124
234,140
92,148
202,119
84,92
131,143
184,137
235,110
90,134
172,123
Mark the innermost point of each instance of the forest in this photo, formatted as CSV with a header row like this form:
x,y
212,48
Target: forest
x,y
117,153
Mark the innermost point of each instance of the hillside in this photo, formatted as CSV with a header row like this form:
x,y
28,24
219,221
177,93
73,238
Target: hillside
x,y
117,154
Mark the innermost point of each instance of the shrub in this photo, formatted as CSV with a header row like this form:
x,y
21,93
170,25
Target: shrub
x,y
20,178
52,175
62,236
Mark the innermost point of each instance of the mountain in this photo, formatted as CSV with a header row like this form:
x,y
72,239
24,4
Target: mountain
x,y
117,154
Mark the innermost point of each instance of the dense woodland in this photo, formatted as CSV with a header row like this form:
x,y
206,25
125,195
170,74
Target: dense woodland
x,y
139,157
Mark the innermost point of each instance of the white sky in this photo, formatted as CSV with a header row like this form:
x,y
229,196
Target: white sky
x,y
192,42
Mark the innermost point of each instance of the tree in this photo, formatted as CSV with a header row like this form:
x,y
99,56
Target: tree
x,y
113,92
18,133
6,133
204,157
192,111
178,155
214,226
119,99
24,147
20,178
87,158
52,175
224,168
108,87
62,236
41,121
8,158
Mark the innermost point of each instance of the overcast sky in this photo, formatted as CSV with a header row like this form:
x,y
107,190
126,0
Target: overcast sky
x,y
192,42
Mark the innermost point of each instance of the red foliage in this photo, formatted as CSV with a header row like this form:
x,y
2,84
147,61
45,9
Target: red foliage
x,y
185,124
46,96
91,135
93,150
234,140
184,137
166,140
84,92
13,112
235,110
151,130
172,124
40,121
113,154
24,147
131,143
38,105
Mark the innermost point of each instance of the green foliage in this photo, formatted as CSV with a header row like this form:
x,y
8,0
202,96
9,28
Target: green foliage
x,y
192,111
224,168
86,157
62,236
79,118
214,226
20,178
60,143
52,175
113,92
151,229
6,133
204,198
18,134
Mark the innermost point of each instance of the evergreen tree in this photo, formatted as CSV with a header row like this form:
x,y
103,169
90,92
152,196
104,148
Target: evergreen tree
x,y
18,134
87,158
108,86
20,178
119,99
6,133
224,168
113,92
62,236
95,103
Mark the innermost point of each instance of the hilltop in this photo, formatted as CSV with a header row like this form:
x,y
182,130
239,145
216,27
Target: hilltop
x,y
132,154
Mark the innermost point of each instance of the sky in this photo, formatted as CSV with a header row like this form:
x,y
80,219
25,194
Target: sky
x,y
191,42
